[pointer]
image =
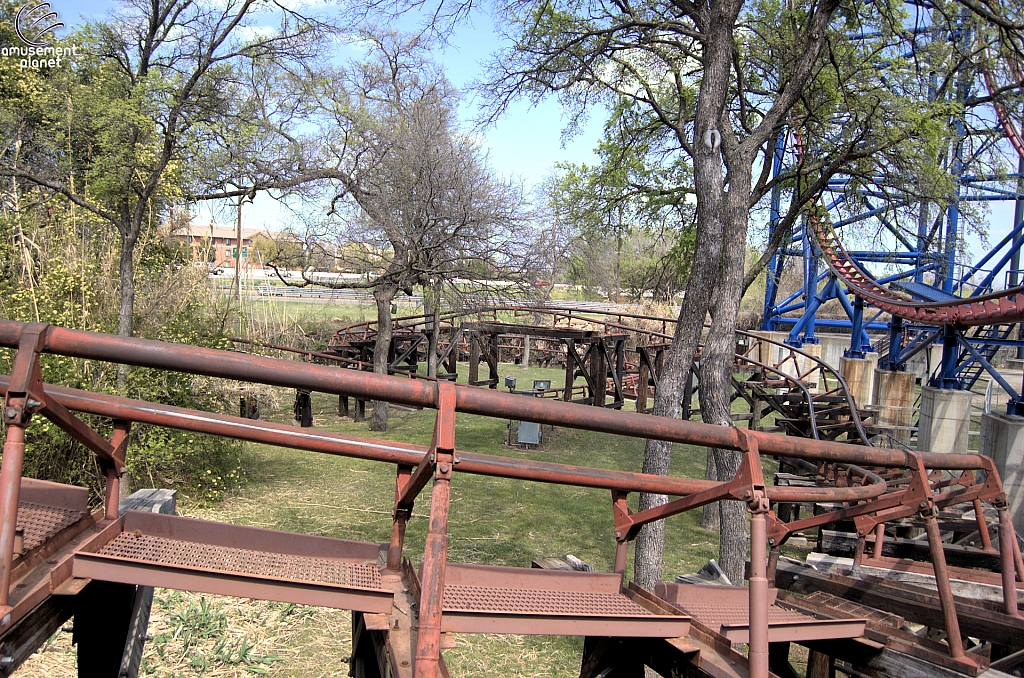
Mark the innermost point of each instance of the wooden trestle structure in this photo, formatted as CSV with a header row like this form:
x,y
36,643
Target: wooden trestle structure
x,y
53,548
610,358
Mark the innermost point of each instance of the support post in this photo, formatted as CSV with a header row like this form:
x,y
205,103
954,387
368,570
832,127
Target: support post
x,y
401,517
474,358
18,408
114,469
641,386
342,406
435,558
598,372
435,552
879,540
758,589
570,369
10,486
979,517
759,507
1006,560
953,639
494,354
620,510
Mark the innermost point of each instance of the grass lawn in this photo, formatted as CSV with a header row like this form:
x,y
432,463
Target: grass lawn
x,y
493,521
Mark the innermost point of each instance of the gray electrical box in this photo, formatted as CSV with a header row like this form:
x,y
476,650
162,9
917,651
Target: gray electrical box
x,y
529,433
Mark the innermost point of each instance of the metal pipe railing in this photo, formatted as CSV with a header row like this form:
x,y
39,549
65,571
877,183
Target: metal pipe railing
x,y
25,394
325,442
276,372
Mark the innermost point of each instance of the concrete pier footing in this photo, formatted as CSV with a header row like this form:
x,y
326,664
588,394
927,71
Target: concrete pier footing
x,y
859,374
1002,439
945,420
773,354
806,364
894,402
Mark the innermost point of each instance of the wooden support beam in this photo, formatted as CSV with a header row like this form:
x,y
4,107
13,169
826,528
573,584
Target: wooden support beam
x,y
474,357
920,607
599,372
492,360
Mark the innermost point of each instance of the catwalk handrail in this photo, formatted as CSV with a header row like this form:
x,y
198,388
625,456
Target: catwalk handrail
x,y
370,386
327,442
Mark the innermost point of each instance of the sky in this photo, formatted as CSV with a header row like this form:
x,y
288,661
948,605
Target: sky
x,y
524,145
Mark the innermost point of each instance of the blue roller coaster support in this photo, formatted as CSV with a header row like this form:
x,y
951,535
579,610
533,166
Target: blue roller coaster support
x,y
925,266
893,360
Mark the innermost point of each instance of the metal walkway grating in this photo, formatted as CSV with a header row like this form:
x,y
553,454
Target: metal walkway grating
x,y
151,549
725,610
139,547
494,599
718,615
527,601
41,523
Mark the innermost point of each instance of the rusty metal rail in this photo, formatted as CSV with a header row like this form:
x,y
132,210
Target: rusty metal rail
x,y
1005,306
870,501
275,372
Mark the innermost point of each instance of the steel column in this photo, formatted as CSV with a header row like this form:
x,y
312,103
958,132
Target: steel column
x,y
758,591
953,639
435,550
979,517
1006,539
401,519
435,559
10,485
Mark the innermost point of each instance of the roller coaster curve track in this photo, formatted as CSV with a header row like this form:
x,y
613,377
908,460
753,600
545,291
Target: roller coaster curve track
x,y
815,369
997,308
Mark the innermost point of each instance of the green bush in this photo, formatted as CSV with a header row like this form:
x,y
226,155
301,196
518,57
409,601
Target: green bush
x,y
67,277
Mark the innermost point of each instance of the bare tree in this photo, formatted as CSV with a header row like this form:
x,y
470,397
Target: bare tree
x,y
412,202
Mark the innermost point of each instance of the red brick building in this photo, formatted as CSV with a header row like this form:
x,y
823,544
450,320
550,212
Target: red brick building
x,y
218,245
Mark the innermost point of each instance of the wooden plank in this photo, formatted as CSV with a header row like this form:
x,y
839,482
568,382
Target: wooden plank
x,y
918,607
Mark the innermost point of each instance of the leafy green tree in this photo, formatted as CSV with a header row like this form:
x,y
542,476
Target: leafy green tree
x,y
716,83
637,202
145,97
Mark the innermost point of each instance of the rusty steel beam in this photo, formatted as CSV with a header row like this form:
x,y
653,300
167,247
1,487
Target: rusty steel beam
x,y
276,372
283,435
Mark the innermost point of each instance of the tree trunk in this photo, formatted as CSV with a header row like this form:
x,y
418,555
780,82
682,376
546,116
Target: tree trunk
x,y
668,396
383,295
709,187
126,310
716,370
710,515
